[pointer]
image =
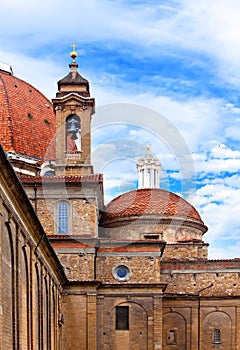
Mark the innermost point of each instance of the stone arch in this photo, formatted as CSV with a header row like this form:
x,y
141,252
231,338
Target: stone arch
x,y
24,298
53,317
37,307
174,331
217,320
137,336
45,312
130,302
134,338
8,289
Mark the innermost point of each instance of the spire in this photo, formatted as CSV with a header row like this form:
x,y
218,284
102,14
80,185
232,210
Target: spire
x,y
73,82
148,170
73,65
74,108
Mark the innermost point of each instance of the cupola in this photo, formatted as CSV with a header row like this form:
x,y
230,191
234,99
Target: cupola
x,y
148,170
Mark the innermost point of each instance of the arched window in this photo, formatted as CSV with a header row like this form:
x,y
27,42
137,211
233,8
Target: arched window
x,y
217,336
63,217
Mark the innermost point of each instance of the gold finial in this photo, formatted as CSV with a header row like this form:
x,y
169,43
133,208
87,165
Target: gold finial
x,y
73,54
148,149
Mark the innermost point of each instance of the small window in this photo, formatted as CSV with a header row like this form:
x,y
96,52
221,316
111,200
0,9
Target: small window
x,y
151,236
63,217
122,318
217,336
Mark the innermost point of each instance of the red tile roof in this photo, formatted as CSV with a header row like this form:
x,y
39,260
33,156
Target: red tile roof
x,y
27,119
61,179
149,202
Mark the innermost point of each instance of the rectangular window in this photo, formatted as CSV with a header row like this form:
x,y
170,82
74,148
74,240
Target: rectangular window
x,y
63,217
122,318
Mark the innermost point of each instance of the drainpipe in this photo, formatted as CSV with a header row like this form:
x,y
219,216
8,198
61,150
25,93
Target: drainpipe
x,y
35,198
95,262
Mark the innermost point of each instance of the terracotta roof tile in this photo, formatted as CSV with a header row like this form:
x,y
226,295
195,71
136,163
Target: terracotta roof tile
x,y
149,202
61,179
27,119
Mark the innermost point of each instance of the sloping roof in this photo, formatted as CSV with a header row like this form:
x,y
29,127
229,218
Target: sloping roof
x,y
62,179
78,79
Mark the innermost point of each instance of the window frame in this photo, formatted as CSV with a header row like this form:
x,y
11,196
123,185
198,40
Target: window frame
x,y
122,318
67,216
126,277
217,334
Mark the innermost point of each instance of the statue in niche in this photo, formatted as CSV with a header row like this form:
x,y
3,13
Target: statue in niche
x,y
73,130
171,337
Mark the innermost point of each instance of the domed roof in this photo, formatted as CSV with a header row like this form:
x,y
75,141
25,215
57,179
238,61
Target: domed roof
x,y
27,119
149,202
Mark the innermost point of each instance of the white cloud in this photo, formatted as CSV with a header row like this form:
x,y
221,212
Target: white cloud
x,y
205,33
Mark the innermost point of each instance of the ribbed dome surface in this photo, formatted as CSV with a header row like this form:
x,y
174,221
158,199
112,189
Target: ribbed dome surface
x,y
149,202
27,120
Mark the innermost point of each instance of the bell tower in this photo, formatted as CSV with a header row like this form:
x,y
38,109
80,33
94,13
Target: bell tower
x,y
74,109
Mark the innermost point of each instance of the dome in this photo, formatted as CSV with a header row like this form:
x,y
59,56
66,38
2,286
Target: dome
x,y
27,119
150,203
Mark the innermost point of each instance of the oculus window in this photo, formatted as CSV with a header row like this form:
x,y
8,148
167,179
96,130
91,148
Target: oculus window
x,y
122,273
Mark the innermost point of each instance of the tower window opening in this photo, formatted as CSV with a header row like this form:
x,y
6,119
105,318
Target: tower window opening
x,y
155,178
149,178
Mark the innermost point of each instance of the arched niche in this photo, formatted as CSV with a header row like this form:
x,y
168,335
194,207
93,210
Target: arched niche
x,y
133,337
174,331
8,290
217,322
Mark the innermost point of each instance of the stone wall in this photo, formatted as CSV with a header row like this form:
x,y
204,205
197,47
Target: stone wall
x,y
83,206
30,275
221,277
143,269
190,250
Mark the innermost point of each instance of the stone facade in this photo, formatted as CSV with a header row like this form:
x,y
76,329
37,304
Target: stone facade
x,y
30,274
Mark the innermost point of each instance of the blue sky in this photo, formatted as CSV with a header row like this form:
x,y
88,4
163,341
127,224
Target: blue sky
x,y
170,62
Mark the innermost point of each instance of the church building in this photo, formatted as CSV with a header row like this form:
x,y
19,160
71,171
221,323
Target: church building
x,y
76,273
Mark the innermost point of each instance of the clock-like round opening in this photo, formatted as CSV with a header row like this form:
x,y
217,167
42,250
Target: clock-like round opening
x,y
121,273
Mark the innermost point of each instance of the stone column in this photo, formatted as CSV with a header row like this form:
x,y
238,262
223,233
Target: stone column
x,y
194,328
92,321
157,322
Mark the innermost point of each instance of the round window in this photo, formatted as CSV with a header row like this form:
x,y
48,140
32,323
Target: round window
x,y
121,273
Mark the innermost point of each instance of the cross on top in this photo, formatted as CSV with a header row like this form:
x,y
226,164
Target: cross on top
x,y
74,45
